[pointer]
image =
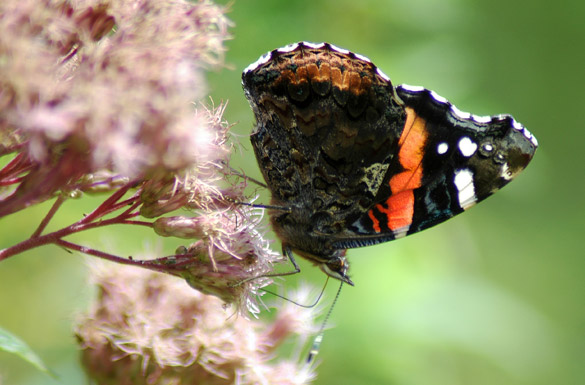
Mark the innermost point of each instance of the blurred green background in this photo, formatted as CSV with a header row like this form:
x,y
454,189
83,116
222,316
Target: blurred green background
x,y
494,296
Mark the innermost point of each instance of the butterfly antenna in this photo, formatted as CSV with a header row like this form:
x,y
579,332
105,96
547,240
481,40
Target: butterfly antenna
x,y
295,302
272,207
253,180
317,341
262,206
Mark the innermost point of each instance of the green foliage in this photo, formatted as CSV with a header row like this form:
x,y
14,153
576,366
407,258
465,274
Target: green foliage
x,y
12,344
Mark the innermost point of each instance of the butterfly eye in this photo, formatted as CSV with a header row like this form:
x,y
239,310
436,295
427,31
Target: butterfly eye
x,y
337,267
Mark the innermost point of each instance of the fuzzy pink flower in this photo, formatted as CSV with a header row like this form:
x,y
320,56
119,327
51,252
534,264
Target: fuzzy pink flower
x,y
105,97
147,328
79,97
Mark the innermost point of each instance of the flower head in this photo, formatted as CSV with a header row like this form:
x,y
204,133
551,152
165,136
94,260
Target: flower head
x,y
149,328
229,259
78,96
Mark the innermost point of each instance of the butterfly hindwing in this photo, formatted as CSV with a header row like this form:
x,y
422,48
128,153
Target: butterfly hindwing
x,y
327,128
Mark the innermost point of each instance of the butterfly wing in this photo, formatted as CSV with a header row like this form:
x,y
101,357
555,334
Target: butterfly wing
x,y
447,161
352,161
327,128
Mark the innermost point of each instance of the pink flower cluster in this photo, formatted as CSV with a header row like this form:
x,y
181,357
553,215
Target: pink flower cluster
x,y
105,86
105,97
148,328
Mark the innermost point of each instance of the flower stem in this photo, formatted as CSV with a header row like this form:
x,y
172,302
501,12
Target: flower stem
x,y
87,223
150,265
60,200
108,205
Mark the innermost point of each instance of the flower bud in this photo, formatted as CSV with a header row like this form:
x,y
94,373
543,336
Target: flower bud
x,y
180,227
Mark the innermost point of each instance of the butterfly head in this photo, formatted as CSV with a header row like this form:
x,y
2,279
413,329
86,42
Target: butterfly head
x,y
334,265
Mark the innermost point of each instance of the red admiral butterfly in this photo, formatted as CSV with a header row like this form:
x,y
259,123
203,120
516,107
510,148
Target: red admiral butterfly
x,y
354,161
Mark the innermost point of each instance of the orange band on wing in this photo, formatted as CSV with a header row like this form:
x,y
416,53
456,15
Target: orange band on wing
x,y
411,150
400,210
375,221
410,155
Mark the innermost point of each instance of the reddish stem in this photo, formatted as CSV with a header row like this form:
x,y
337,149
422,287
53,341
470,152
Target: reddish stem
x,y
60,200
11,149
9,182
18,165
106,206
132,207
111,257
140,223
56,236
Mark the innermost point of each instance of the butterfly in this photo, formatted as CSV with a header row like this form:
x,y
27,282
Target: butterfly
x,y
352,161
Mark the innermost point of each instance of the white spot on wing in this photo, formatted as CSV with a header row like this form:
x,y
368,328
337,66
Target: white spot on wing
x,y
517,125
506,173
481,119
442,148
262,60
288,48
400,232
338,49
464,183
467,147
530,137
412,88
362,57
314,45
534,141
459,113
439,98
383,75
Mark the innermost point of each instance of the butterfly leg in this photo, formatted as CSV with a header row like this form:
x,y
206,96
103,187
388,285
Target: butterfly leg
x,y
286,250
